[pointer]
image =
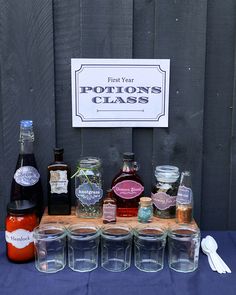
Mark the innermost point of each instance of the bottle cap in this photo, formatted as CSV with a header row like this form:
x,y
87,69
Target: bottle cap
x,y
21,207
58,150
128,156
146,201
167,173
26,123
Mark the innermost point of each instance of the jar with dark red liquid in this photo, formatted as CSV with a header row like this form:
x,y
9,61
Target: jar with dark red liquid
x,y
20,222
127,187
165,191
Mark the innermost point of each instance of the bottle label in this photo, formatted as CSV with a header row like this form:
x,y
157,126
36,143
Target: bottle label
x,y
163,201
128,189
109,212
19,238
184,195
58,182
26,176
89,193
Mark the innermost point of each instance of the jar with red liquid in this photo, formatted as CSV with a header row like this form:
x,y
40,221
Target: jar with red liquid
x,y
20,222
127,187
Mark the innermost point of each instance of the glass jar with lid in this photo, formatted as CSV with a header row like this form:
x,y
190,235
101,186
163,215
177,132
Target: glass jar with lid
x,y
20,222
88,188
165,191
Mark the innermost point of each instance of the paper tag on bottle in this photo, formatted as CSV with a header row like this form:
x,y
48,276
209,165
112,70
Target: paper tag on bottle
x,y
163,201
109,212
128,189
58,182
19,238
89,193
27,176
184,196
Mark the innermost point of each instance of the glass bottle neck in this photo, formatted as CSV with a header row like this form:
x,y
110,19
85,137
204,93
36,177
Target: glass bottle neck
x,y
58,157
128,166
26,147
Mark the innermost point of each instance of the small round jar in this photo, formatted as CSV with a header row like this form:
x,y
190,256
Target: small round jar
x,y
20,222
165,191
145,210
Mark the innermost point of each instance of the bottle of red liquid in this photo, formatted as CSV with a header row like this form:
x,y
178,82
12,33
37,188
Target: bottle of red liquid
x,y
127,187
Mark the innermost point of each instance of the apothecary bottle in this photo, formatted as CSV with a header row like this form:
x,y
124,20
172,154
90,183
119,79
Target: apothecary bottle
x,y
88,188
184,200
59,199
165,191
127,187
26,183
109,208
145,210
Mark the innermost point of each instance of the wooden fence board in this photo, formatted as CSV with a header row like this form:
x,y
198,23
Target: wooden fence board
x,y
27,80
220,57
180,29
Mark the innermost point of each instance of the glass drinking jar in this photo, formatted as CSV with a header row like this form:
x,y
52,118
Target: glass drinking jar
x,y
183,248
88,188
165,191
149,248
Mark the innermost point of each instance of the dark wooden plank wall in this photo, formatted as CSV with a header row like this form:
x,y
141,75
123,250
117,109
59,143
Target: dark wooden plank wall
x,y
38,39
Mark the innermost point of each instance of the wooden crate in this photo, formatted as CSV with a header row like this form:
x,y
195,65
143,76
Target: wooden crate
x,y
131,221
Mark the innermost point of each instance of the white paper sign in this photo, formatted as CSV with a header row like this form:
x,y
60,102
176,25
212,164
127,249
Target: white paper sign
x,y
120,92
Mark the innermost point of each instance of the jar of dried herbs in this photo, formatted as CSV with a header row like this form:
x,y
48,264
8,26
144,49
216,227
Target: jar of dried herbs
x,y
165,191
88,188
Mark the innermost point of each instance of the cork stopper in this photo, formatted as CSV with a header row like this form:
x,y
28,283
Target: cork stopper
x,y
145,201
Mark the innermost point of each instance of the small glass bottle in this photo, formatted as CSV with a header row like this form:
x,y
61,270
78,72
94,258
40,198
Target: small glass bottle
x,y
109,208
59,200
145,211
88,188
165,191
20,222
26,183
127,187
184,200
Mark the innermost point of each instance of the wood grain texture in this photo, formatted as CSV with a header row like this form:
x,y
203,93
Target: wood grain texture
x,y
27,80
220,61
37,41
92,29
68,220
181,36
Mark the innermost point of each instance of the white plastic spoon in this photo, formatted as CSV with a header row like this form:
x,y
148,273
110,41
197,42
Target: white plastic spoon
x,y
208,256
214,259
214,246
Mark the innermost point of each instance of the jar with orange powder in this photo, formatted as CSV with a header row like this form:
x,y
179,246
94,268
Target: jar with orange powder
x,y
20,222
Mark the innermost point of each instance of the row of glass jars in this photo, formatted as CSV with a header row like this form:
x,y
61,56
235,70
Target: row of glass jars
x,y
89,193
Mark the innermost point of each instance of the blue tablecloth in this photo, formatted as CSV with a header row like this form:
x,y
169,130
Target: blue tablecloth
x,y
24,279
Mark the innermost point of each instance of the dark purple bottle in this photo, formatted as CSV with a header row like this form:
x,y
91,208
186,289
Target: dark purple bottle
x,y
26,183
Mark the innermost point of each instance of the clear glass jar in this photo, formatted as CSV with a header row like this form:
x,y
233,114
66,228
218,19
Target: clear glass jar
x,y
88,188
165,191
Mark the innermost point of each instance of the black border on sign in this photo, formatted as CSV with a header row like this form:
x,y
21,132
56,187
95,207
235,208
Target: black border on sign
x,y
77,114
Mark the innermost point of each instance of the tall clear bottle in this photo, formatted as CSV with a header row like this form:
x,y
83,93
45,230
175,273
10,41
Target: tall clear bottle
x,y
127,187
26,183
59,199
184,200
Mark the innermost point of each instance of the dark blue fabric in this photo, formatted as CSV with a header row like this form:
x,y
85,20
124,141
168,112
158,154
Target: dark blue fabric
x,y
24,279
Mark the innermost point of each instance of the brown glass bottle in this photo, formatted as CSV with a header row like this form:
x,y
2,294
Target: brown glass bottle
x,y
109,208
127,187
59,199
